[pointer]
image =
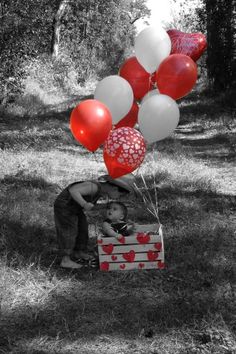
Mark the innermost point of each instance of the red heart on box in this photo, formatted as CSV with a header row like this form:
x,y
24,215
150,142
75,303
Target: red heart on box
x,y
108,248
191,44
143,238
121,239
114,258
129,256
104,266
152,255
158,246
122,266
160,265
141,265
99,241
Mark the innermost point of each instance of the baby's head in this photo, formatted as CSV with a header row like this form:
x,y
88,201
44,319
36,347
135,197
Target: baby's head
x,y
116,211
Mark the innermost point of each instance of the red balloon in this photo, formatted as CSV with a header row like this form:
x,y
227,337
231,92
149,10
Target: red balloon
x,y
191,44
137,76
176,76
124,151
130,119
90,123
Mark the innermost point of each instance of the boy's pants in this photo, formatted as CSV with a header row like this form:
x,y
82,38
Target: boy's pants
x,y
71,230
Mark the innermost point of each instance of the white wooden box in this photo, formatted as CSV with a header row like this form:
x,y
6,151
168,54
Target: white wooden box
x,y
142,250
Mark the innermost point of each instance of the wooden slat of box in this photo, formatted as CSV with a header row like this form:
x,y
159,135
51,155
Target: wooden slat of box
x,y
116,257
132,239
113,249
106,266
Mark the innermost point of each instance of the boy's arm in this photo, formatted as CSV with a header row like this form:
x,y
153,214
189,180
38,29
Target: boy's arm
x,y
77,191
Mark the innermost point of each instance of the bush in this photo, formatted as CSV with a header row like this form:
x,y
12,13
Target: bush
x,y
45,82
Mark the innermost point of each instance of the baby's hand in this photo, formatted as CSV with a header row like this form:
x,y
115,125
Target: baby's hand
x,y
131,227
88,206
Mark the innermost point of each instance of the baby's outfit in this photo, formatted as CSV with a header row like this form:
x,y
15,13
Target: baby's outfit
x,y
120,227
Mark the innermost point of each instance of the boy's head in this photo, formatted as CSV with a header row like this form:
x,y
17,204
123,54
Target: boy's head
x,y
117,187
116,211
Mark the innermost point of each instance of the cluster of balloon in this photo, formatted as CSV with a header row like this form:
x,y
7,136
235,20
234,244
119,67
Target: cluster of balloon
x,y
144,92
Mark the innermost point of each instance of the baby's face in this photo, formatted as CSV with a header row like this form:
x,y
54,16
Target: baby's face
x,y
115,212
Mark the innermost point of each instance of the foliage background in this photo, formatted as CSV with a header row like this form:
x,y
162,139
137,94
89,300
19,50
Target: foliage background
x,y
50,49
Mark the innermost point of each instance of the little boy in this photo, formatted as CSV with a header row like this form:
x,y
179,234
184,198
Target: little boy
x,y
70,209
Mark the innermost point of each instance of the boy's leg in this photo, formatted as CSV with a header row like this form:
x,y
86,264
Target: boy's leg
x,y
66,230
81,243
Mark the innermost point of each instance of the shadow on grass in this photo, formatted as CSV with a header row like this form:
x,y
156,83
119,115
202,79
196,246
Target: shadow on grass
x,y
208,104
21,180
195,286
57,112
40,131
25,241
219,148
196,283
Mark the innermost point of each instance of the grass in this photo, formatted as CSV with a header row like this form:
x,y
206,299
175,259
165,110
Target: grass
x,y
187,308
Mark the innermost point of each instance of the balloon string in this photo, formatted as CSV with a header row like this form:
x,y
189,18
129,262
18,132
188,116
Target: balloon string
x,y
150,82
95,156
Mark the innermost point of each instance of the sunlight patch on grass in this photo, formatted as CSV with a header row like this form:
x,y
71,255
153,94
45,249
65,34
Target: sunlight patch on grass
x,y
28,288
54,166
202,339
181,172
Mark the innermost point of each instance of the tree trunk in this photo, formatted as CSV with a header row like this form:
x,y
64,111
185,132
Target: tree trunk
x,y
221,43
57,27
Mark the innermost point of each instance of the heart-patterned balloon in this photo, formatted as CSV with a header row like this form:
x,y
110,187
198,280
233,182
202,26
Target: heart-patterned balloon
x,y
124,151
191,44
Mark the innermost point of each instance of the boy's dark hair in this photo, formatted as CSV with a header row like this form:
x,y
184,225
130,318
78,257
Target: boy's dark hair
x,y
123,207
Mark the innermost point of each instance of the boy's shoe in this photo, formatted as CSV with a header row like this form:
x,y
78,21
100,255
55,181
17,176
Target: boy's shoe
x,y
94,263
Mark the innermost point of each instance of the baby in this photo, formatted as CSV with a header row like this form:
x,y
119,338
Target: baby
x,y
115,224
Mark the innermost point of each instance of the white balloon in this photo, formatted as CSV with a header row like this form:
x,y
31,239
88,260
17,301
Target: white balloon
x,y
117,94
152,45
158,117
150,94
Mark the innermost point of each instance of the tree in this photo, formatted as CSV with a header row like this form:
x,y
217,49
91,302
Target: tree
x,y
216,18
92,35
221,34
186,16
25,32
96,29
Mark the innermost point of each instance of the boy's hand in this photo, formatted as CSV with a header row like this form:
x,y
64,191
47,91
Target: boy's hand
x,y
88,206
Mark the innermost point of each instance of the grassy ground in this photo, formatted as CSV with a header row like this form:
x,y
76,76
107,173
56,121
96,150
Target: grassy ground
x,y
187,308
